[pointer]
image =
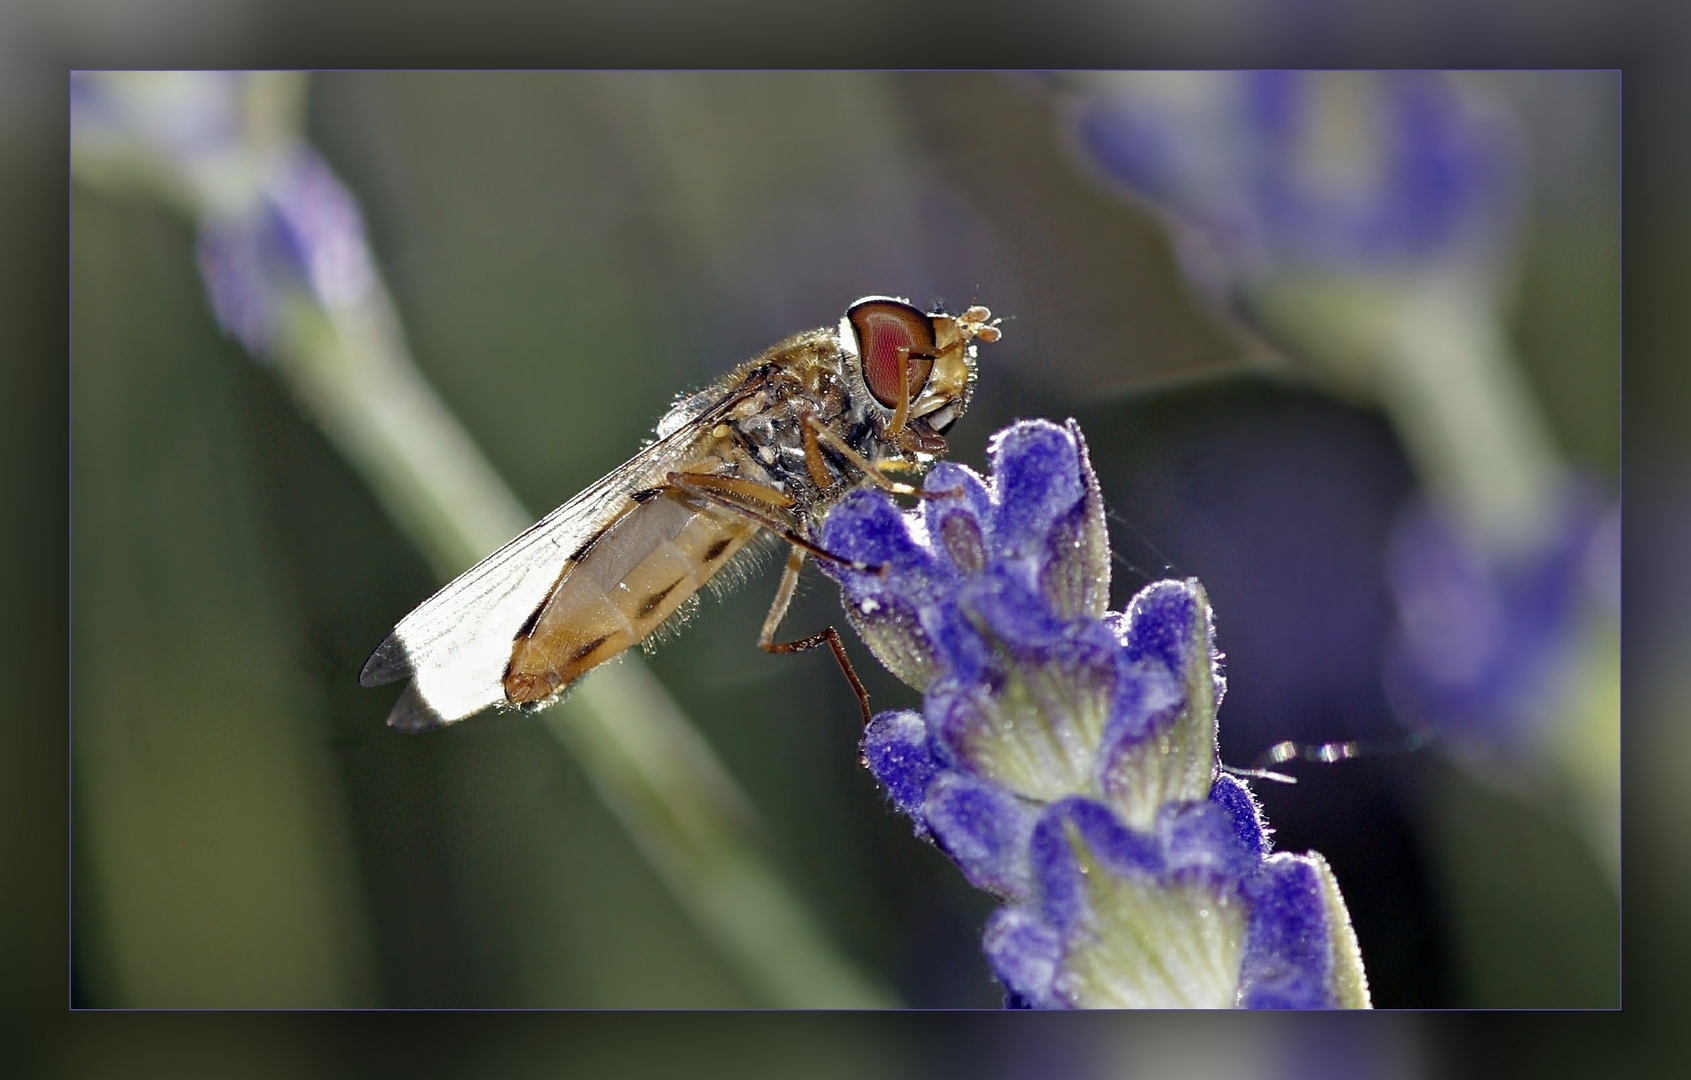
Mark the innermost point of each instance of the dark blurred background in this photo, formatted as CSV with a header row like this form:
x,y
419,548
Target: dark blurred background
x,y
569,251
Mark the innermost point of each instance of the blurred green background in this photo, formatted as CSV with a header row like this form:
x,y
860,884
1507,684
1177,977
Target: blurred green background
x,y
569,251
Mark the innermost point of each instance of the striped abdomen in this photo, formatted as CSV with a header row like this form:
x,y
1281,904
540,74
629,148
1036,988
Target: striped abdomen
x,y
632,578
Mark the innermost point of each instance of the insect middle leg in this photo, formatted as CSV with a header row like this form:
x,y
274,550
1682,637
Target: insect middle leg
x,y
732,493
828,635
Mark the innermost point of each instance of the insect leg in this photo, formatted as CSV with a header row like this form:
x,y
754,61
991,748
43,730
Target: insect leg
x,y
901,414
892,465
730,486
778,610
732,493
813,463
870,469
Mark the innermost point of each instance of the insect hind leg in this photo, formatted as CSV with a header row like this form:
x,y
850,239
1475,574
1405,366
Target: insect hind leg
x,y
826,636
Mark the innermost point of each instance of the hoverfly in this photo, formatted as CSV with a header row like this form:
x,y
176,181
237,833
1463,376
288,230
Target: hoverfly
x,y
771,446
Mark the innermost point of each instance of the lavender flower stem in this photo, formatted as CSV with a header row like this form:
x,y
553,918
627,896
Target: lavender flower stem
x,y
1432,352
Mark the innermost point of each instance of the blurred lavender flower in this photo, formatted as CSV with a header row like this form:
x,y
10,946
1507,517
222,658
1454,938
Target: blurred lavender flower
x,y
1364,223
1271,171
276,228
304,238
1065,755
1483,645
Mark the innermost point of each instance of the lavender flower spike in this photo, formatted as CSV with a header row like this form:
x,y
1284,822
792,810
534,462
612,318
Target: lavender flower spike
x,y
1065,755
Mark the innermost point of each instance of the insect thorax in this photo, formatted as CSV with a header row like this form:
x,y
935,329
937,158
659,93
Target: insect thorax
x,y
805,378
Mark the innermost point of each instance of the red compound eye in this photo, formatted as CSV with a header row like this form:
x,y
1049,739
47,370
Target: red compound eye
x,y
884,327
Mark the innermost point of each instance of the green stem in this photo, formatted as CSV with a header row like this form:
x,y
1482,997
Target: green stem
x,y
1431,351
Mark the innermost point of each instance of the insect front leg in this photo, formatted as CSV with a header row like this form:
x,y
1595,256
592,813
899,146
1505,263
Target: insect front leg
x,y
828,635
816,431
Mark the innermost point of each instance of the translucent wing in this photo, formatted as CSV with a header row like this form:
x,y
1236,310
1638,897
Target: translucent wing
x,y
456,644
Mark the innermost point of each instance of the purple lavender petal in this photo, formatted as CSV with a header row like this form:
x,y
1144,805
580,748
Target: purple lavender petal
x,y
1161,623
304,236
322,231
946,475
1201,843
1233,796
1056,865
896,752
1009,608
958,646
1273,103
1159,746
868,526
1149,698
1024,952
1036,477
1439,180
1451,173
890,612
973,504
1288,960
985,831
1128,144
